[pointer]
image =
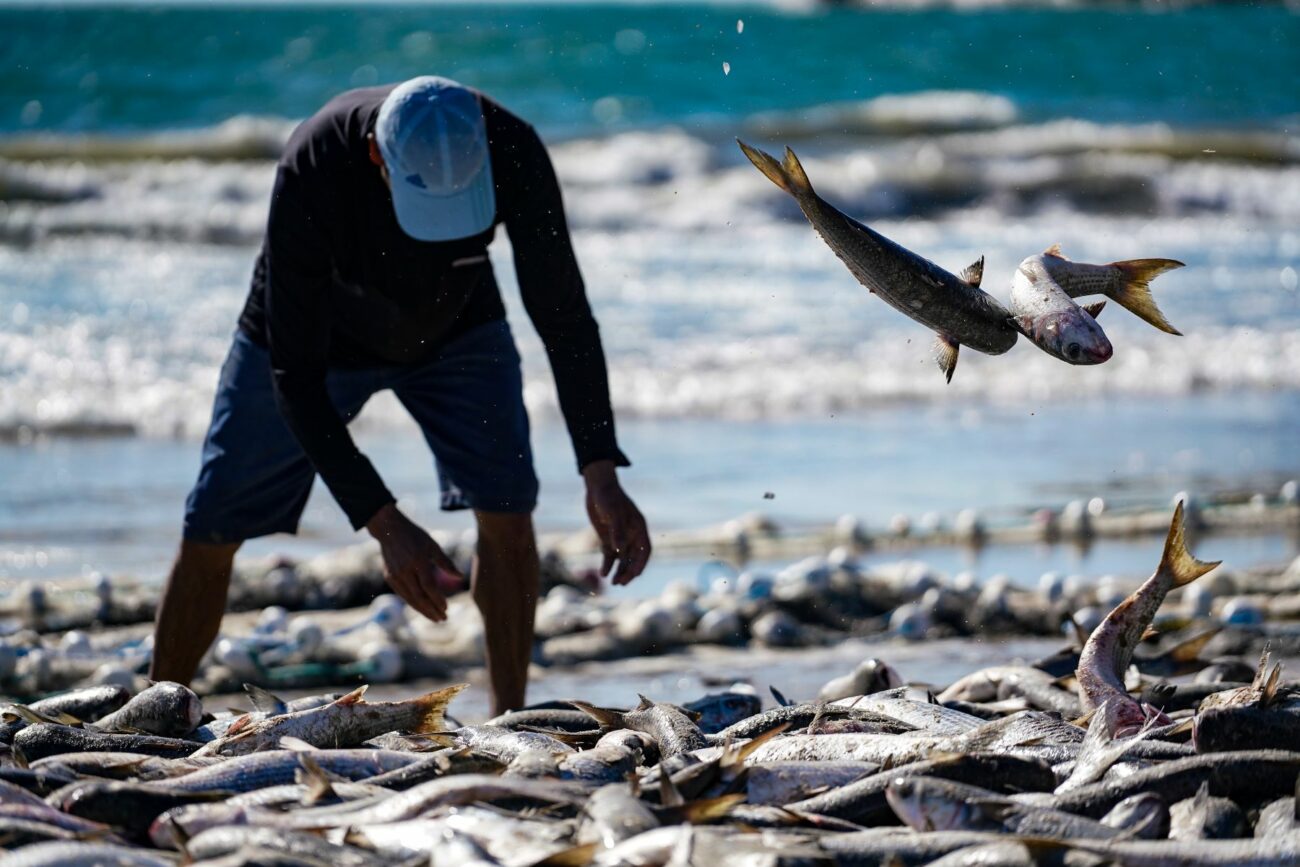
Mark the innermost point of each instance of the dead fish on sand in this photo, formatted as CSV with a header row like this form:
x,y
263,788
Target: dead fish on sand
x,y
1109,650
958,311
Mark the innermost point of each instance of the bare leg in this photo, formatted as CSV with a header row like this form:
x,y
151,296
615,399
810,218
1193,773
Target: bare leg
x,y
189,615
505,586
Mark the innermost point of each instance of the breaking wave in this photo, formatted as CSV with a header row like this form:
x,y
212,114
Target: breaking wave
x,y
125,259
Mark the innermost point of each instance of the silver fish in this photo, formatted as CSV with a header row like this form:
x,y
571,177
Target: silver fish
x,y
166,709
346,722
1109,649
1126,283
1051,319
954,307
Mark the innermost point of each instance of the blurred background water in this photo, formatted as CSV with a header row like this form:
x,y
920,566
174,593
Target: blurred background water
x,y
136,154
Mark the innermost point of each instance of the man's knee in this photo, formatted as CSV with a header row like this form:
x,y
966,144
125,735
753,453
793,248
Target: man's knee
x,y
505,529
206,557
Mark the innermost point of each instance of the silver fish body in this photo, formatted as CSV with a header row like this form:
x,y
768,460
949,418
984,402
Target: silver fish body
x,y
1108,651
1051,319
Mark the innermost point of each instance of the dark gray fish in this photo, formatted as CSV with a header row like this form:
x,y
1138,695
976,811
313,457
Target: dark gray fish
x,y
128,807
216,842
900,847
504,745
781,783
928,804
672,729
864,801
1245,776
719,710
1202,817
246,773
39,781
1140,817
565,719
955,308
49,739
613,814
87,704
166,709
800,715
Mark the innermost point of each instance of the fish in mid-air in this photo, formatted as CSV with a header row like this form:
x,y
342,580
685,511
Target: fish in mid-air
x,y
959,312
1127,283
1051,319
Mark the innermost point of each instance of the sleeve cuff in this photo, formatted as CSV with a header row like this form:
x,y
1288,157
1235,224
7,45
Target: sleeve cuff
x,y
614,454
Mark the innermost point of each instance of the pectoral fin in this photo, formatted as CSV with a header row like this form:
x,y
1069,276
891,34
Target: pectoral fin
x,y
1093,309
974,272
945,353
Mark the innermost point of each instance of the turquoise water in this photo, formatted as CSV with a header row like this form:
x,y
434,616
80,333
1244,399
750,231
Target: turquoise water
x,y
137,146
112,68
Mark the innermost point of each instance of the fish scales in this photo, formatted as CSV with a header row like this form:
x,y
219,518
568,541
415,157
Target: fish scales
x,y
450,792
49,739
1249,775
932,719
216,842
864,800
800,715
346,722
246,773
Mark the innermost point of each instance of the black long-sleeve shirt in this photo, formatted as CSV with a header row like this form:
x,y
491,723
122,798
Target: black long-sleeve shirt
x,y
338,283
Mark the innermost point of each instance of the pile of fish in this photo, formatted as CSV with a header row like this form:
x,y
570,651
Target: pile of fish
x,y
1043,289
1088,757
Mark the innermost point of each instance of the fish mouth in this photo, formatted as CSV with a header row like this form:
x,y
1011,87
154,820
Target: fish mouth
x,y
1102,353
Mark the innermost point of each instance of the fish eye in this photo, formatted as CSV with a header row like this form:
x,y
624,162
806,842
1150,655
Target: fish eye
x,y
1073,350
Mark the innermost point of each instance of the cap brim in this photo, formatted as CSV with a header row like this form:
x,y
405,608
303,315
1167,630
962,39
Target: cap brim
x,y
428,217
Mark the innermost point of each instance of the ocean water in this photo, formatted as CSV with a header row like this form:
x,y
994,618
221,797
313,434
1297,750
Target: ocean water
x,y
136,156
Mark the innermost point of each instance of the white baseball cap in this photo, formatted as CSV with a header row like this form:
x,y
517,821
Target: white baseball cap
x,y
433,138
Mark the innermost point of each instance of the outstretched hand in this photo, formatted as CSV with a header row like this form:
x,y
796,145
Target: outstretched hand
x,y
624,537
413,562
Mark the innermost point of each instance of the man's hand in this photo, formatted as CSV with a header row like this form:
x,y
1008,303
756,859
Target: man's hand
x,y
617,521
412,561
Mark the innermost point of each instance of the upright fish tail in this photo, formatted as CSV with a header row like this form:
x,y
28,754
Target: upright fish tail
x,y
1135,292
433,705
604,716
1176,561
789,177
798,177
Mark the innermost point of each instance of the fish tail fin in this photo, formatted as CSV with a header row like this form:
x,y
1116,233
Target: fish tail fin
x,y
1176,561
604,716
789,177
432,706
798,177
707,810
1135,293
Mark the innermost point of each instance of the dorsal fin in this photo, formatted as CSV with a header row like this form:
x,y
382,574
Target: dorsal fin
x,y
974,272
645,704
1055,250
1094,308
240,724
353,697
